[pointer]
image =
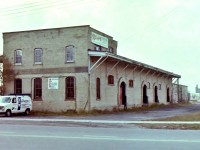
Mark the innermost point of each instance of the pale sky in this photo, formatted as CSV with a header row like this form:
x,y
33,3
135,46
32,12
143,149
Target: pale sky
x,y
161,33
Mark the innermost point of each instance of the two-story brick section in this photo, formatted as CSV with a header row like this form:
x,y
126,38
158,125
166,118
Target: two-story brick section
x,y
77,68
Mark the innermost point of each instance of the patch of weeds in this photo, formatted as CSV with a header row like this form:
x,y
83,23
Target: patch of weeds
x,y
171,126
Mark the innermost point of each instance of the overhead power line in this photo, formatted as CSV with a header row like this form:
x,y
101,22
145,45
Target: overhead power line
x,y
38,6
158,21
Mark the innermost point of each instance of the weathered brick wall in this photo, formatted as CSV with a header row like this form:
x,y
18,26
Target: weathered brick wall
x,y
53,43
110,93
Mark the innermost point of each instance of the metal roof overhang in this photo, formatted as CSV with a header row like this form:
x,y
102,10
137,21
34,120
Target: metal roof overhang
x,y
132,62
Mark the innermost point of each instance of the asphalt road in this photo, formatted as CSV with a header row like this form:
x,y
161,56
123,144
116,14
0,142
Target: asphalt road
x,y
16,133
35,137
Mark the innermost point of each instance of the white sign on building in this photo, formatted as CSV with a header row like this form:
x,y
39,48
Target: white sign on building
x,y
99,40
53,83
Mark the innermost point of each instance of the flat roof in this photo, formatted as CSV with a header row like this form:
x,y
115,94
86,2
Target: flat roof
x,y
140,64
46,29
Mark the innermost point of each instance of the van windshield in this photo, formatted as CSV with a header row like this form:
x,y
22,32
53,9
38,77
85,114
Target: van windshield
x,y
5,99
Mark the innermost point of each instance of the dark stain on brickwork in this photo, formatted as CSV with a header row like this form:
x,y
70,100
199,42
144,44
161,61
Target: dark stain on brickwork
x,y
53,70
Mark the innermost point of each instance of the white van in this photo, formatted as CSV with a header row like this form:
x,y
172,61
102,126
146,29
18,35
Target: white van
x,y
15,104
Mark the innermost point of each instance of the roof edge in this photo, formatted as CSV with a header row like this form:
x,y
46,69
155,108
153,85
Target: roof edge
x,y
95,53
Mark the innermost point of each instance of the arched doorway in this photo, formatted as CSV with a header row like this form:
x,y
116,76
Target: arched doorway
x,y
168,95
123,94
156,94
145,97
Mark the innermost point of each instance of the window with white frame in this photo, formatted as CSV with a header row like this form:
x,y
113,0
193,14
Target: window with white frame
x,y
18,56
69,53
38,55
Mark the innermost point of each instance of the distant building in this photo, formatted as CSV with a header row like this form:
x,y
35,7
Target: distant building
x,y
197,89
77,68
180,93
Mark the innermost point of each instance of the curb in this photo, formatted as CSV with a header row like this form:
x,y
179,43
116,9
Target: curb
x,y
100,121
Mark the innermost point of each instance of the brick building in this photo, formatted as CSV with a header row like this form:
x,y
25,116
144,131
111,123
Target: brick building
x,y
77,68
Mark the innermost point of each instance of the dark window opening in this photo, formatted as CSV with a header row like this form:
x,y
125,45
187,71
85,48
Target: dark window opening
x,y
145,97
18,86
111,79
130,83
37,88
98,89
70,87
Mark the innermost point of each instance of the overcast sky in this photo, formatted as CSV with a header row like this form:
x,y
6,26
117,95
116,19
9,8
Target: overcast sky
x,y
161,33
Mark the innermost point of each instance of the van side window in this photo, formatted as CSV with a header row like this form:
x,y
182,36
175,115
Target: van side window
x,y
14,100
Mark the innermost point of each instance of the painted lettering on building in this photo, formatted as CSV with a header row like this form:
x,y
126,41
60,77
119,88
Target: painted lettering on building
x,y
99,40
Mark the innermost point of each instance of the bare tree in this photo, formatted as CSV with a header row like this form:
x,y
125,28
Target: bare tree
x,y
7,73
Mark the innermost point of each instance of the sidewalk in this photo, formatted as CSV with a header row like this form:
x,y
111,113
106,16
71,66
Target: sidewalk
x,y
98,121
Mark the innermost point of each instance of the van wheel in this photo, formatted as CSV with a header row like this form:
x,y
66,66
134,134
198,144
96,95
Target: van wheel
x,y
27,112
8,113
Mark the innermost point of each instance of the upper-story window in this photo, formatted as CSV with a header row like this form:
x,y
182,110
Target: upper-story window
x,y
111,79
18,56
110,49
97,48
69,53
38,56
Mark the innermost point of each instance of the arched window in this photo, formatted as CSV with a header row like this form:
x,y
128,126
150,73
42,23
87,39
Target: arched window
x,y
69,53
70,87
18,56
98,88
111,79
18,86
37,88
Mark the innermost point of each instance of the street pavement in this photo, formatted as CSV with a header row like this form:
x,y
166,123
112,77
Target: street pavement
x,y
34,137
123,118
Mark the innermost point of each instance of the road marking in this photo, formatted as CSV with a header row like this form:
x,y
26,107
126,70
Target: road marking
x,y
98,138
